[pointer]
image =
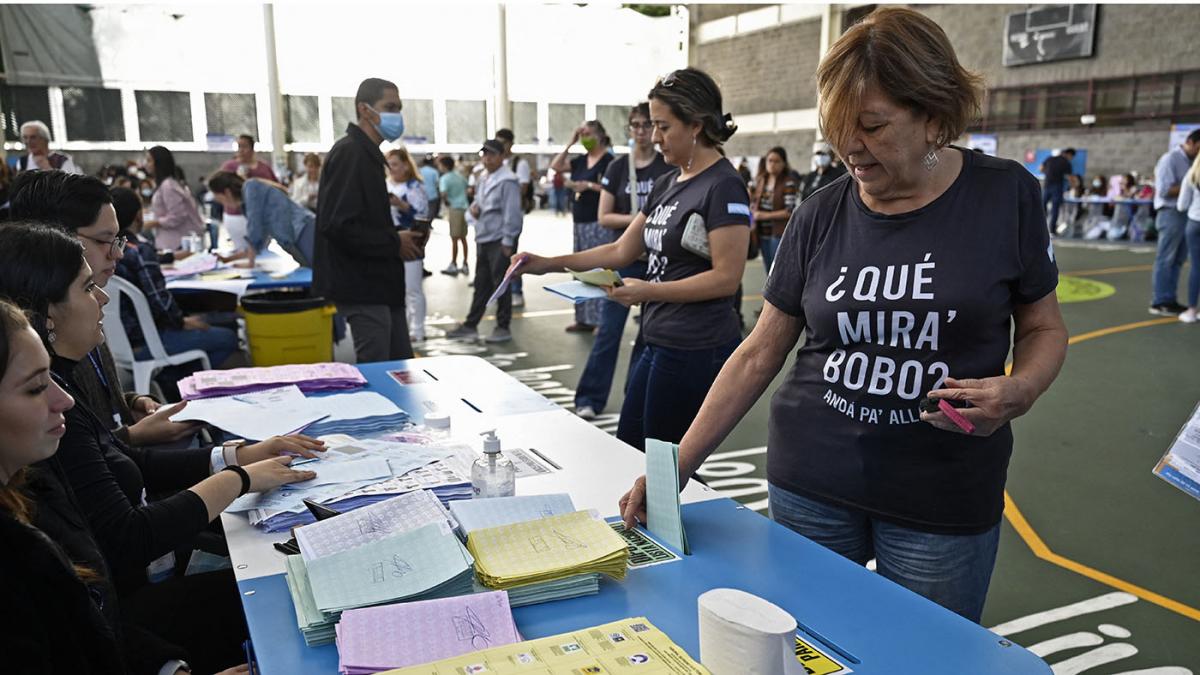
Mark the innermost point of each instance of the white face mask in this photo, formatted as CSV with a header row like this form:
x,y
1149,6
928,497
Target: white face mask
x,y
1097,183
822,160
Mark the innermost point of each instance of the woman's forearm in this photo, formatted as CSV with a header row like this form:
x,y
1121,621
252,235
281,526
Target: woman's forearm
x,y
696,288
218,491
1038,356
608,256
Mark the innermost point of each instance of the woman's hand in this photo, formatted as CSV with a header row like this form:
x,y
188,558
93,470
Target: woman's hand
x,y
271,473
531,264
579,131
631,292
633,504
193,322
277,446
994,400
144,406
157,427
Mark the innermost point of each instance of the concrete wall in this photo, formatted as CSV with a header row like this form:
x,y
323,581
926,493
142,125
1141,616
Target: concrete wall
x,y
766,70
797,143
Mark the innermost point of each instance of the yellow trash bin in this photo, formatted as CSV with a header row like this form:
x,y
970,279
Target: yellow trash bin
x,y
285,327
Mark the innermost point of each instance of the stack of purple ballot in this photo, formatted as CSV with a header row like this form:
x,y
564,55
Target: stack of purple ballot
x,y
309,377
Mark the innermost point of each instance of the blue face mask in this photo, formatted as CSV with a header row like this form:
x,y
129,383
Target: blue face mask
x,y
391,125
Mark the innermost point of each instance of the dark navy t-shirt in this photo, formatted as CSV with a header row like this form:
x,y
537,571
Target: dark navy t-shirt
x,y
719,196
616,181
587,203
892,305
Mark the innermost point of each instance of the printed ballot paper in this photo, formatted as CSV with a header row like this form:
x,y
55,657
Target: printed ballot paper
x,y
1180,465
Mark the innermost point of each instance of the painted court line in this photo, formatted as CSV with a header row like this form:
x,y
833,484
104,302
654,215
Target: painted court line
x,y
1099,603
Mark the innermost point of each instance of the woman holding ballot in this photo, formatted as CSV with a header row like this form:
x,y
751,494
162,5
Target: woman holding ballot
x,y
695,226
44,272
910,278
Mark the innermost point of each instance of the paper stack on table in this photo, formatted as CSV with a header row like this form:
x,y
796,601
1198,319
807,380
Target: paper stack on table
x,y
371,523
361,414
628,645
479,514
547,549
194,264
309,377
254,415
372,639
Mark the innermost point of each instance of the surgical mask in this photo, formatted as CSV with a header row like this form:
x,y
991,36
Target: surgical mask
x,y
146,192
391,124
822,160
1097,183
588,143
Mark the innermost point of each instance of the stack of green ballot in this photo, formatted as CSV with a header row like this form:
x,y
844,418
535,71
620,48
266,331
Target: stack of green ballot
x,y
547,550
421,564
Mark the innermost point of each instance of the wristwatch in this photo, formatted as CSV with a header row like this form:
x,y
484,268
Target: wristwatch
x,y
229,450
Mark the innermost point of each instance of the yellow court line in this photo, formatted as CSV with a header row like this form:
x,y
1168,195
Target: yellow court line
x,y
1039,548
1109,270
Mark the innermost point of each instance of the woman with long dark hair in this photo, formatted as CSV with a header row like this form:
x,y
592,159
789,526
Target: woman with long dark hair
x,y
776,192
173,210
695,227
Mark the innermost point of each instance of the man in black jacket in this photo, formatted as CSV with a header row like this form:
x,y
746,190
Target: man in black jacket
x,y
359,254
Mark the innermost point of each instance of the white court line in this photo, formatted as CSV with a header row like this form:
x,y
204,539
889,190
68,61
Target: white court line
x,y
736,453
1089,606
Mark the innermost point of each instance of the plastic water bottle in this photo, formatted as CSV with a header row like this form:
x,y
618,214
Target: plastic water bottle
x,y
493,475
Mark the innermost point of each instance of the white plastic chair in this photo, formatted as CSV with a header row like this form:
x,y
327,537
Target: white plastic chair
x,y
122,350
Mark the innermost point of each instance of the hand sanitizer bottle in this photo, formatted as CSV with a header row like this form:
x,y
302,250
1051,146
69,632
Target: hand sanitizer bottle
x,y
493,475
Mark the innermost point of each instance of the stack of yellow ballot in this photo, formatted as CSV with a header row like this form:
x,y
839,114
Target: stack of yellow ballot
x,y
621,646
547,549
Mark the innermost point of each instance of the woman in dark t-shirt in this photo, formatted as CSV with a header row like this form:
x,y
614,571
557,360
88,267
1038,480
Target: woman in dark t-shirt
x,y
906,278
694,225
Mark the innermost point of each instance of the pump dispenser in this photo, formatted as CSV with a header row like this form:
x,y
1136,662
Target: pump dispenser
x,y
493,475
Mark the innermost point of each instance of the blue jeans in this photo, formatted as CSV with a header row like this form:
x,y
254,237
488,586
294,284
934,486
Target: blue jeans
x,y
219,343
596,379
1171,225
1052,194
952,570
1193,247
665,390
768,246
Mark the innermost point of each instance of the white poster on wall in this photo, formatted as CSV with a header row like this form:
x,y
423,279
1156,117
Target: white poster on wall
x,y
986,143
1179,133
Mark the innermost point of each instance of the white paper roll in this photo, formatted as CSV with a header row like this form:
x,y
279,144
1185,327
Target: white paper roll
x,y
742,634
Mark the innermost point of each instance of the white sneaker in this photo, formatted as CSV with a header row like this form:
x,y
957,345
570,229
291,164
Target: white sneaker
x,y
465,270
518,300
1188,316
585,413
452,270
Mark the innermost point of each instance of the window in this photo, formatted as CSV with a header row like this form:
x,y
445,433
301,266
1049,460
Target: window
x,y
23,104
231,114
1003,109
1065,105
1155,96
615,119
343,114
1112,102
164,116
564,119
418,121
303,122
466,121
524,122
93,114
1189,91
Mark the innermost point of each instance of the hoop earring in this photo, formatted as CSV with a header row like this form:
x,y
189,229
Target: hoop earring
x,y
930,160
692,155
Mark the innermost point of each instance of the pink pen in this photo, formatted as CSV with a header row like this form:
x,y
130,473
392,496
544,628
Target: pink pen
x,y
959,421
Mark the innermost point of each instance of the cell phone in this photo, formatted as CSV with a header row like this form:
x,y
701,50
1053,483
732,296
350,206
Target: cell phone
x,y
321,512
930,405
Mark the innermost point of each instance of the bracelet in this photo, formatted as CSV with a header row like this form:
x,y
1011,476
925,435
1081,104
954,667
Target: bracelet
x,y
244,476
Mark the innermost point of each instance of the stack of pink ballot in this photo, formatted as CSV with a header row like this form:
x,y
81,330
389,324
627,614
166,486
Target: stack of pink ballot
x,y
310,377
372,639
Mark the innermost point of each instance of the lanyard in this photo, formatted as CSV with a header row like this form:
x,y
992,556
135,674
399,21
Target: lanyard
x,y
116,413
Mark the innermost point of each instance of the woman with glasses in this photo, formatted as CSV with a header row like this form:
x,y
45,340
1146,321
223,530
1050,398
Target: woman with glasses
x,y
616,213
174,212
583,177
81,206
694,225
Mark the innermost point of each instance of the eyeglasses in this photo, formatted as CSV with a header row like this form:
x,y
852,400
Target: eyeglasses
x,y
116,246
669,80
641,126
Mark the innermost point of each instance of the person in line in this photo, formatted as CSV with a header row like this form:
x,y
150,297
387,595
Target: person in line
x,y
776,193
453,188
82,207
139,266
173,210
1189,205
35,136
695,226
558,184
498,221
269,213
616,213
585,172
906,278
1055,171
826,169
307,185
519,166
44,272
410,213
359,255
429,177
1171,224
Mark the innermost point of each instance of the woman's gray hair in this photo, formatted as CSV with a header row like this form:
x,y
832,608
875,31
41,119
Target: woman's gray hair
x,y
39,126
